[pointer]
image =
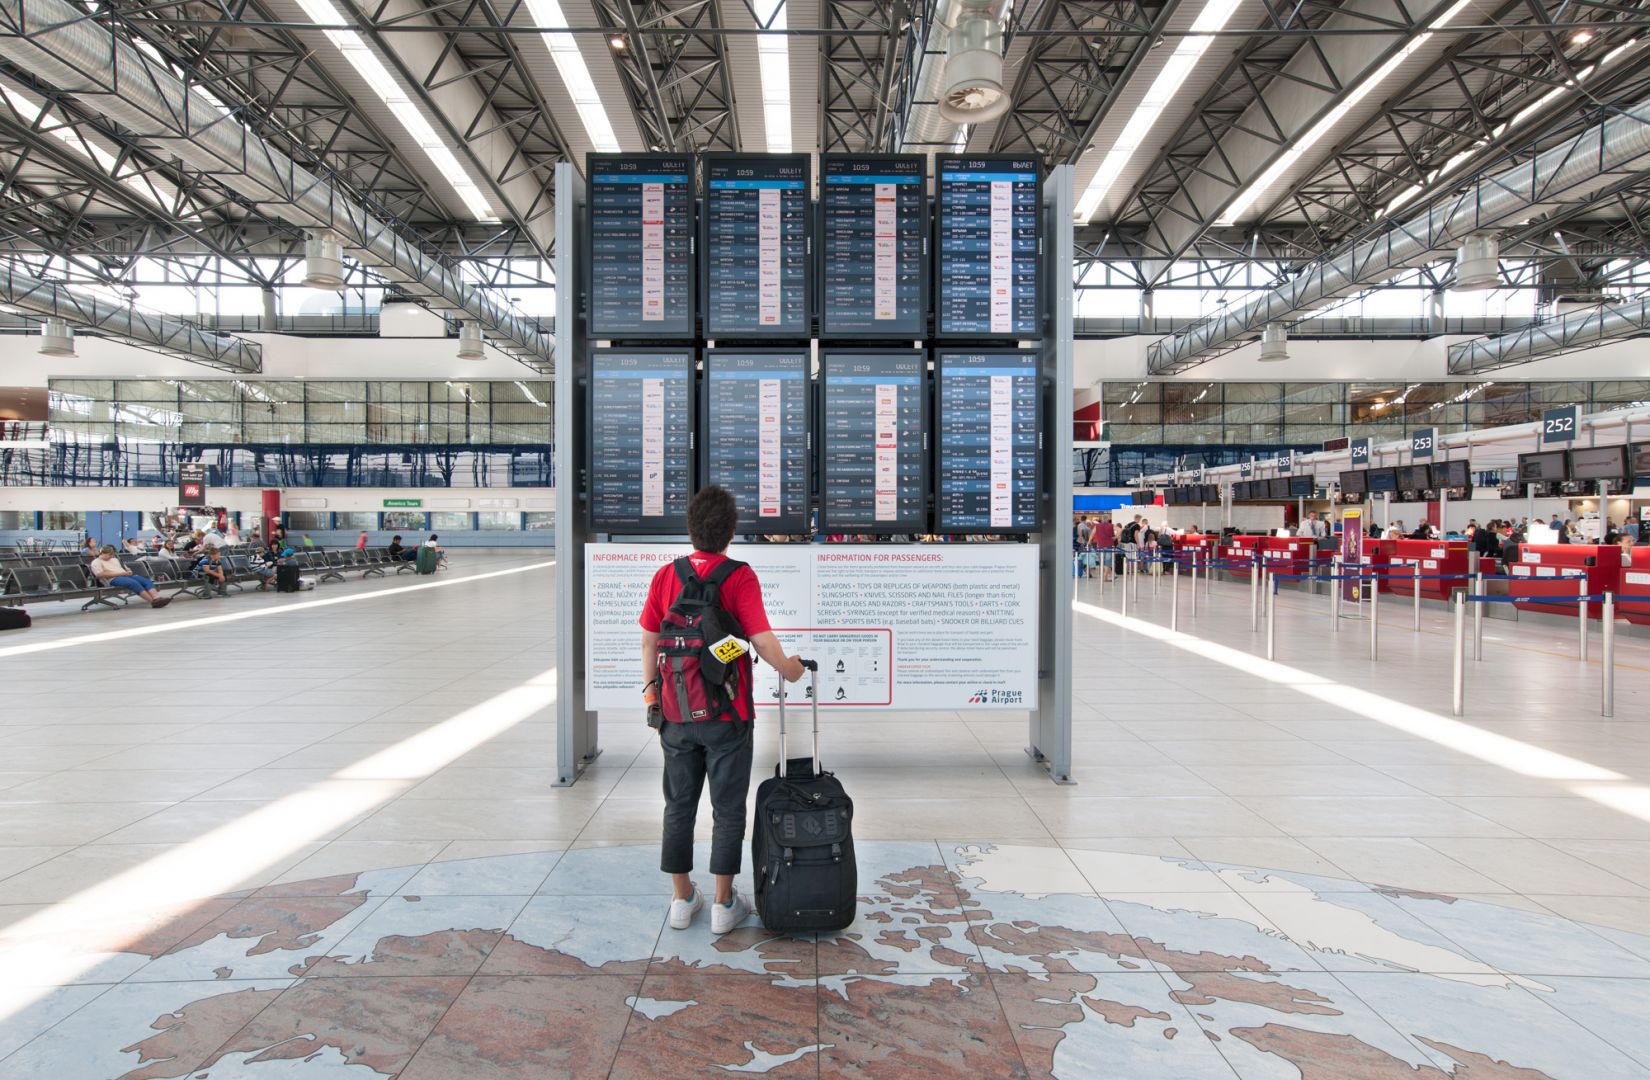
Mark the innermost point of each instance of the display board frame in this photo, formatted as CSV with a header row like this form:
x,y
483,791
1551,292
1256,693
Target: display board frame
x,y
795,524
925,275
587,267
671,525
937,261
809,280
924,397
1032,357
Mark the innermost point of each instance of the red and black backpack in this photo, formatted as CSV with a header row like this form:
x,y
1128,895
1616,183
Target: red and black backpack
x,y
704,655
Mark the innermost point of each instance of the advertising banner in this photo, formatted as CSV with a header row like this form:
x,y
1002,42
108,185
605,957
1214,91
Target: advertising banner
x,y
191,483
928,626
1352,551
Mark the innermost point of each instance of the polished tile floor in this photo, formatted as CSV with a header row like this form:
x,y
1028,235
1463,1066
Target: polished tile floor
x,y
316,836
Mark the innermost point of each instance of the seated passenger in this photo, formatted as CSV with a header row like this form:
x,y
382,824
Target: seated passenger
x,y
262,563
109,570
399,551
212,570
132,546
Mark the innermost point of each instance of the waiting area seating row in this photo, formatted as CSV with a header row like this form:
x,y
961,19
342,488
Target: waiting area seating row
x,y
32,578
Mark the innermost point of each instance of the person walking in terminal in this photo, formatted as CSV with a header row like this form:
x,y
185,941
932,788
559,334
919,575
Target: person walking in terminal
x,y
108,569
712,739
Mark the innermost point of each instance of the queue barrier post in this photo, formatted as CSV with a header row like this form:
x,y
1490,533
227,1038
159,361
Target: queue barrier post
x,y
1374,624
1254,594
1193,564
1271,590
1174,596
1123,591
1581,614
1335,596
1135,570
1156,570
1478,617
1607,706
1417,584
1457,664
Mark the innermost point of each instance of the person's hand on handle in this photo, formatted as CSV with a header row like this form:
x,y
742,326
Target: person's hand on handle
x,y
794,667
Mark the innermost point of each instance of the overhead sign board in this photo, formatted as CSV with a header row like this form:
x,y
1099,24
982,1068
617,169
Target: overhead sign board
x,y
1420,443
1559,425
191,483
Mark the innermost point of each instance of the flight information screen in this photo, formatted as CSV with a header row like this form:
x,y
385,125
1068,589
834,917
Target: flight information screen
x,y
989,239
641,441
641,245
874,241
756,245
876,449
757,431
988,424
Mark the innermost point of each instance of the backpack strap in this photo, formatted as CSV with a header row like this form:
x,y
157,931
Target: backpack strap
x,y
684,570
726,569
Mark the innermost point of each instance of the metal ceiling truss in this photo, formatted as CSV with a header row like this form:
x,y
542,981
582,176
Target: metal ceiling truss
x,y
675,68
860,73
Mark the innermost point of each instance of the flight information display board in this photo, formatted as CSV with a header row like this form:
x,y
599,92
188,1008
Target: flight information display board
x,y
641,245
873,238
990,247
757,435
989,439
875,461
757,274
641,441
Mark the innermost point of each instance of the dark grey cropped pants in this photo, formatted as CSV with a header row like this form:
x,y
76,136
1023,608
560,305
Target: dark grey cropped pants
x,y
720,750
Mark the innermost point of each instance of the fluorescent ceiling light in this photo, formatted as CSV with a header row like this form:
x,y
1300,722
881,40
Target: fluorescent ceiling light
x,y
564,50
773,57
407,114
1317,131
1168,83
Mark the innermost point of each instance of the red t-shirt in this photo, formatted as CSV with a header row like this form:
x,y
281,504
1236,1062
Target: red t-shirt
x,y
741,594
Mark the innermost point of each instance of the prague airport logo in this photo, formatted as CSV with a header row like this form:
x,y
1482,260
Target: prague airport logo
x,y
997,697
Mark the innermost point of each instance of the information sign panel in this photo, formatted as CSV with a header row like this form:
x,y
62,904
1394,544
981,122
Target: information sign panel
x,y
1420,443
990,245
875,460
757,272
641,442
1559,425
929,626
989,430
640,245
757,435
1352,551
1360,452
191,483
873,240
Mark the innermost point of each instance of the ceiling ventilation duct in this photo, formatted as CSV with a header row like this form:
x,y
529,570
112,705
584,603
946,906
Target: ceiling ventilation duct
x,y
1478,264
469,342
323,261
1274,343
56,338
971,90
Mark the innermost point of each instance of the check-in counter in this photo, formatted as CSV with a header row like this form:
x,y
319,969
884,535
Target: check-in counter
x,y
1635,581
1288,554
1433,557
1540,566
1238,554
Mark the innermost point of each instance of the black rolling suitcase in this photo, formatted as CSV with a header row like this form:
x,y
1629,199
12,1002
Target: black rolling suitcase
x,y
802,845
287,577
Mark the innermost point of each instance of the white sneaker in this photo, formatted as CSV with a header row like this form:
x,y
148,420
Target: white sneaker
x,y
724,917
683,911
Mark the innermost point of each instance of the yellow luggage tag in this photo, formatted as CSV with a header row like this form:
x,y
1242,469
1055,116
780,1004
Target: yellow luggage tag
x,y
728,649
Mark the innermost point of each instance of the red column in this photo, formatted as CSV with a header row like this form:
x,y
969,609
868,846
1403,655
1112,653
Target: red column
x,y
271,510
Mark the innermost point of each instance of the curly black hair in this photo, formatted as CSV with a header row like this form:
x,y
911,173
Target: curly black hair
x,y
712,518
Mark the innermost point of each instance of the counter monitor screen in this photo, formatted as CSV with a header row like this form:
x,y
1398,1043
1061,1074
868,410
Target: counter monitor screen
x,y
1541,468
757,276
1599,463
1211,494
641,245
641,446
874,246
1241,491
988,425
875,461
757,435
990,241
1277,487
1302,487
1452,474
1414,477
1641,459
1354,482
1383,480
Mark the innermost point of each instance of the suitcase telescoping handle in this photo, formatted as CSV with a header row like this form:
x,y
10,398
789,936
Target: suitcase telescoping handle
x,y
784,759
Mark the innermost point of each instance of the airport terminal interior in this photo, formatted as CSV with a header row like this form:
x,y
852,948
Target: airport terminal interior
x,y
1184,470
